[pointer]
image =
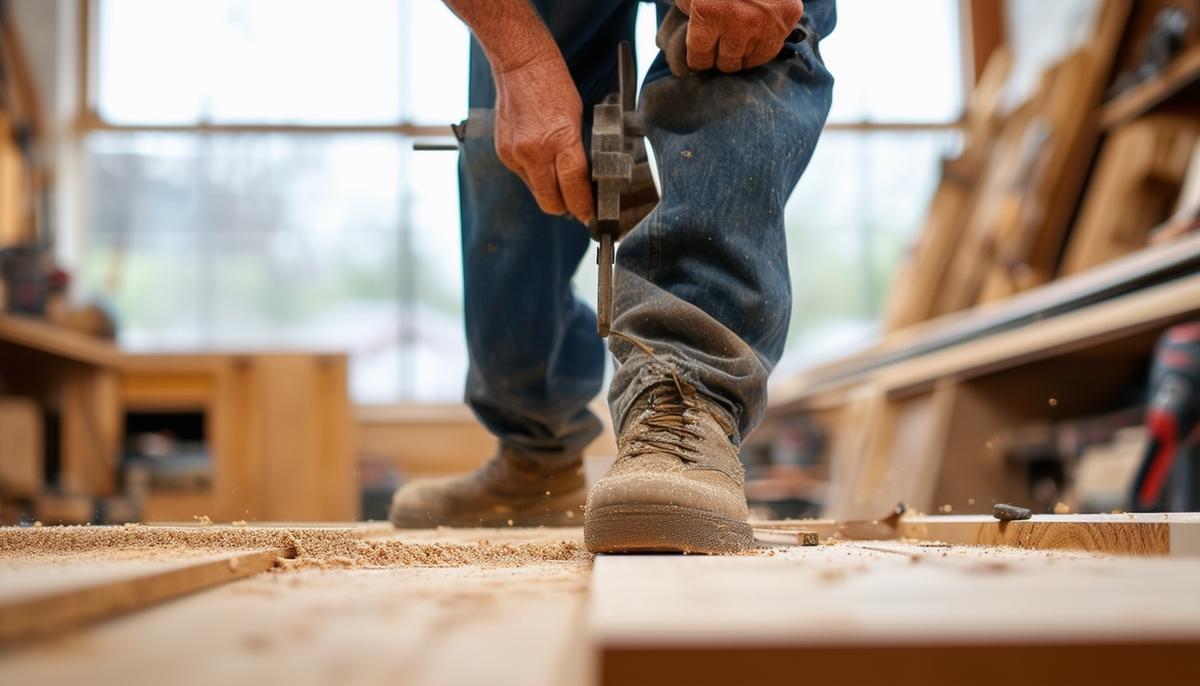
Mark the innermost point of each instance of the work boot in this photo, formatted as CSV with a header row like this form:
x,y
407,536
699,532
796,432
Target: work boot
x,y
677,484
506,491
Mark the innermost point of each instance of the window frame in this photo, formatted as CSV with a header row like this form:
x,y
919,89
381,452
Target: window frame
x,y
981,31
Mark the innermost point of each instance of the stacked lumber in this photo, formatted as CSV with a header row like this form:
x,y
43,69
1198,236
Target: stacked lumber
x,y
1027,202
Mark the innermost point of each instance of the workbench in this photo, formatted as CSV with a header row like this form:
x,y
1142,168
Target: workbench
x,y
367,604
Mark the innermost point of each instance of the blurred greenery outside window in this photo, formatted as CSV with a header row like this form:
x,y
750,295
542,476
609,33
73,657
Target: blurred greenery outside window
x,y
251,182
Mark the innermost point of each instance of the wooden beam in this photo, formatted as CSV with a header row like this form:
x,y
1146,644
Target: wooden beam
x,y
103,597
983,31
1164,534
1106,321
1182,74
1147,267
53,340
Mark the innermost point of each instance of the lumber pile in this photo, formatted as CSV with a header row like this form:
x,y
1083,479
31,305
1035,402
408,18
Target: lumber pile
x,y
1004,218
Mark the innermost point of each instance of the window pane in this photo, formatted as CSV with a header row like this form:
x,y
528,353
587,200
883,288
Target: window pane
x,y
436,55
284,241
293,61
895,62
858,207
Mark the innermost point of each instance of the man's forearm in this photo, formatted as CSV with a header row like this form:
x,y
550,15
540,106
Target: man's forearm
x,y
510,31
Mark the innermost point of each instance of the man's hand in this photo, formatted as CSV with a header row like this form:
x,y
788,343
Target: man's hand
x,y
539,116
733,35
539,135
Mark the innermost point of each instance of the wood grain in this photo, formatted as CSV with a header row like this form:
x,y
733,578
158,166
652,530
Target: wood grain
x,y
21,435
893,613
100,595
1123,534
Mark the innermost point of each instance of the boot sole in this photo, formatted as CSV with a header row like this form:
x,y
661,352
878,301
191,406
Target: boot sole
x,y
664,529
557,511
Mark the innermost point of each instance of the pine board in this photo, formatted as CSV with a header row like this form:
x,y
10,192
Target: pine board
x,y
895,613
466,625
1172,534
64,595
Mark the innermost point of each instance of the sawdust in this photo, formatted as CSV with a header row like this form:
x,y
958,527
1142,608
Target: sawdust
x,y
300,548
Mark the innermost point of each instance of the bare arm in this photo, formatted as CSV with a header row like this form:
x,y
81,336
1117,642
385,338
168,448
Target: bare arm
x,y
539,115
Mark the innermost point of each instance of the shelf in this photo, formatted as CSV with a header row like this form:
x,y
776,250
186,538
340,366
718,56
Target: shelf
x,y
34,334
1137,292
1182,74
1147,267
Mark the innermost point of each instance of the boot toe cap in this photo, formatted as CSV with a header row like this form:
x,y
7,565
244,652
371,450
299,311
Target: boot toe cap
x,y
713,492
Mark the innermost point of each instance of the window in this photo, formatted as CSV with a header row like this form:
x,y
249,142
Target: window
x,y
251,181
244,192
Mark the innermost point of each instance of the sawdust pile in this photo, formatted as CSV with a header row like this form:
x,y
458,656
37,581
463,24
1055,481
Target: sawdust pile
x,y
298,547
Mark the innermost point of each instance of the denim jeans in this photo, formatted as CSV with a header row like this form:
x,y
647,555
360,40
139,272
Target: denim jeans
x,y
703,280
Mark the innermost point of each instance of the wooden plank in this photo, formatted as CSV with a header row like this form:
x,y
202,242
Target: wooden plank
x,y
12,187
100,596
1137,180
1103,322
20,447
520,626
1030,245
516,621
1183,72
92,425
1147,267
1121,534
893,613
57,341
302,423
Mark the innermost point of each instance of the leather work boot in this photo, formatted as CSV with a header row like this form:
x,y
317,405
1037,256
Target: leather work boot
x,y
677,484
505,491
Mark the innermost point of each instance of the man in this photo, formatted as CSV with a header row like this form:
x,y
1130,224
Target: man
x,y
701,289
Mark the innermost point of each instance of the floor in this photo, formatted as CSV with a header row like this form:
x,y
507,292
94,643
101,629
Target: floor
x,y
531,607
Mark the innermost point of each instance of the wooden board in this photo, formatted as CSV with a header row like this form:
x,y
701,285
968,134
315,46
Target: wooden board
x,y
1176,535
894,613
1147,267
1133,190
20,448
471,624
55,578
1183,72
58,342
1107,321
74,593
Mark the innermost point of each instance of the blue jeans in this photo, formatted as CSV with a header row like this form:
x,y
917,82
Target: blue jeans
x,y
703,280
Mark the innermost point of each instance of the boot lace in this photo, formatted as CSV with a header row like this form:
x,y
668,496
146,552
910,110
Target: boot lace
x,y
665,429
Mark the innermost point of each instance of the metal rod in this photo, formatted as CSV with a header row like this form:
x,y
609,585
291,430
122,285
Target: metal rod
x,y
604,262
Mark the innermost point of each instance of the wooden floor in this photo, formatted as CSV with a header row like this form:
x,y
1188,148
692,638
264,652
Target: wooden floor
x,y
528,607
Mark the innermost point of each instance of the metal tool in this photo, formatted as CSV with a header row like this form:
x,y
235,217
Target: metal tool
x,y
617,133
621,180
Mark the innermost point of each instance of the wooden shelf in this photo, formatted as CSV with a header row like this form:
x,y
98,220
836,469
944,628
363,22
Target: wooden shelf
x,y
34,334
1183,73
1004,320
